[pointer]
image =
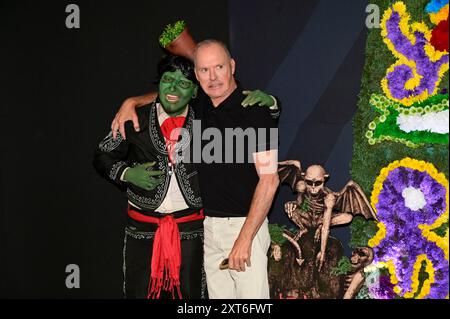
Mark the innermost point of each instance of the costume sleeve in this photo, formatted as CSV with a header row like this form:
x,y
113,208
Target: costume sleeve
x,y
110,158
275,110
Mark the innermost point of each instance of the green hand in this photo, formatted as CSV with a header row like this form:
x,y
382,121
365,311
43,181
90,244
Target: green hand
x,y
142,177
257,97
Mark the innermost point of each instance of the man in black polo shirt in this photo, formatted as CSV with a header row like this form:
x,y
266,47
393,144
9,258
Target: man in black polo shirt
x,y
236,196
237,185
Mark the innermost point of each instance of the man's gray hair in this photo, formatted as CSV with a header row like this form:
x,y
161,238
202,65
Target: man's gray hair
x,y
211,41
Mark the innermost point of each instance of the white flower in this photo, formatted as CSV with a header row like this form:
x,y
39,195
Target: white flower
x,y
372,277
414,198
435,122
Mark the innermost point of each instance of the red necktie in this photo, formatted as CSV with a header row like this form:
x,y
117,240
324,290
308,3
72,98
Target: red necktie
x,y
171,131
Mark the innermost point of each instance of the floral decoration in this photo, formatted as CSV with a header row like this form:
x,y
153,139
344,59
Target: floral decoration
x,y
421,123
419,67
406,240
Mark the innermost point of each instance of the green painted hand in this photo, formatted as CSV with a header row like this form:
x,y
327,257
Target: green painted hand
x,y
143,176
257,97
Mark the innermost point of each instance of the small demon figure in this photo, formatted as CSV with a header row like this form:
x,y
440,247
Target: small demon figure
x,y
361,257
318,208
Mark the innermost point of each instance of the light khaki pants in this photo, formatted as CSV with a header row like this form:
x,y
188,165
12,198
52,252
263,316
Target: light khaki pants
x,y
220,234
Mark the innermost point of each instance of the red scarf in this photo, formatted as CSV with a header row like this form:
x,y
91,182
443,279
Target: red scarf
x,y
171,136
166,257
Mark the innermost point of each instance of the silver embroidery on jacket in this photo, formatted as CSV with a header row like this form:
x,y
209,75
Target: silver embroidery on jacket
x,y
115,170
180,171
183,177
186,187
141,235
159,144
160,193
109,143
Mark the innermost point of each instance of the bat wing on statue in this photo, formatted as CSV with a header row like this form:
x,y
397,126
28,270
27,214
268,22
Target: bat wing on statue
x,y
290,172
352,200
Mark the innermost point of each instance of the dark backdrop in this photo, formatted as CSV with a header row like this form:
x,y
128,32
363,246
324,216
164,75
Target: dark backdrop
x,y
310,54
62,87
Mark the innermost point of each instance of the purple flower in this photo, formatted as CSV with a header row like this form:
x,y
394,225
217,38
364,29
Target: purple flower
x,y
385,289
428,70
404,241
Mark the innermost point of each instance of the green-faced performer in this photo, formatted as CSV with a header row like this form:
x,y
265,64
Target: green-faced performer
x,y
163,247
236,195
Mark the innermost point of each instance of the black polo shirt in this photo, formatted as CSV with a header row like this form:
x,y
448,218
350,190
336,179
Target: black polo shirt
x,y
227,188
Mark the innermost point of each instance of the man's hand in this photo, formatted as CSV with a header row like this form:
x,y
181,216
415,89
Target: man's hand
x,y
266,164
240,254
143,176
127,112
257,96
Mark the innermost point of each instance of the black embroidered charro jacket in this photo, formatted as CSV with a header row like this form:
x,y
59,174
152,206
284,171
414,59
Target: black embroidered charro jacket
x,y
112,157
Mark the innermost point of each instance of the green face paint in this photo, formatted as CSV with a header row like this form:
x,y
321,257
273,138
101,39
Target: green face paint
x,y
175,92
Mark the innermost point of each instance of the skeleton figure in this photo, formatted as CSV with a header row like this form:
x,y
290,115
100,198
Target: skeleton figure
x,y
361,257
318,208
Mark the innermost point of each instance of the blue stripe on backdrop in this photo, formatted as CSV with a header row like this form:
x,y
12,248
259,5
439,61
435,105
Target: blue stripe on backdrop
x,y
310,54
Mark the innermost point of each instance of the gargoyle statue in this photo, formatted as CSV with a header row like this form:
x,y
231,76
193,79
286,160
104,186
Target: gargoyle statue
x,y
318,208
361,257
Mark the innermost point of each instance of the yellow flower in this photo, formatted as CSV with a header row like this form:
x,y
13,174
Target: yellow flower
x,y
379,236
432,53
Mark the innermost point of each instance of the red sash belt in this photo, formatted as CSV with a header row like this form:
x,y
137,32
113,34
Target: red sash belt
x,y
166,257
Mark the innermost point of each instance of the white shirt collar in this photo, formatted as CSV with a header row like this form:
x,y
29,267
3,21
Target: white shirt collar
x,y
162,115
